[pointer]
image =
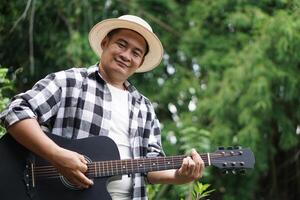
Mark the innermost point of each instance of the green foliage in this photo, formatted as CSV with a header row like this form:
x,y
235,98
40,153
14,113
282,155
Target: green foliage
x,y
229,76
201,190
250,55
191,137
6,87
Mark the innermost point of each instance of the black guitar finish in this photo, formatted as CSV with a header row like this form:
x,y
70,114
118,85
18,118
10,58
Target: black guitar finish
x,y
13,181
28,177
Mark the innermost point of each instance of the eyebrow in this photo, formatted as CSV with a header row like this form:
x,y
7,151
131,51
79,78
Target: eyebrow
x,y
136,48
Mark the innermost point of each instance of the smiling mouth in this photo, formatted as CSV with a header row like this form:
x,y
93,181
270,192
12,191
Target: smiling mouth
x,y
121,64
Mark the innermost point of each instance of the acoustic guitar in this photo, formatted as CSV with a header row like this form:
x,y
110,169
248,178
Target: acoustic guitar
x,y
25,176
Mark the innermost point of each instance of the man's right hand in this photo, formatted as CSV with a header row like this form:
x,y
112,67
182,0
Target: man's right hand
x,y
69,163
72,166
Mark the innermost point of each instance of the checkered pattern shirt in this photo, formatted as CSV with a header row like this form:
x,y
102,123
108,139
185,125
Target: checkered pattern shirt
x,y
76,103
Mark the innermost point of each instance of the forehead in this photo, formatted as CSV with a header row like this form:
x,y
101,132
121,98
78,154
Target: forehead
x,y
131,37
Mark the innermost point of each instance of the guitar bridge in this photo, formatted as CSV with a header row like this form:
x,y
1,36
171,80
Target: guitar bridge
x,y
29,176
29,180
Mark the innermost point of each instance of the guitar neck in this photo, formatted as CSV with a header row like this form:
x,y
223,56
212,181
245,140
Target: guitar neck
x,y
223,159
143,165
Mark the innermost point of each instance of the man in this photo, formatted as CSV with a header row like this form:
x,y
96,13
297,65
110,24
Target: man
x,y
82,102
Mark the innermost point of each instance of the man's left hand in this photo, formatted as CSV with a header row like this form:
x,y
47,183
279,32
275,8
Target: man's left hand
x,y
192,168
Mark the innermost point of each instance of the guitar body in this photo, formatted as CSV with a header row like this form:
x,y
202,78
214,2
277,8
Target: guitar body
x,y
25,176
13,162
15,158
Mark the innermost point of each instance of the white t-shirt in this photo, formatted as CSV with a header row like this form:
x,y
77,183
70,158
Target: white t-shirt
x,y
120,189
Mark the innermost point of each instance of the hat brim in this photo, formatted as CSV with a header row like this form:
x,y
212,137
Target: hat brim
x,y
100,30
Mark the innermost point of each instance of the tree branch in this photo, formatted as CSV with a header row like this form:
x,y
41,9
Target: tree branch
x,y
156,20
22,17
31,47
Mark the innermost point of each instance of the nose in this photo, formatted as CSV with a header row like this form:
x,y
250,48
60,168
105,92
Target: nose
x,y
125,55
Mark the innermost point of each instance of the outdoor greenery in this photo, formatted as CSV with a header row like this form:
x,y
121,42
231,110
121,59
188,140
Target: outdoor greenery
x,y
6,89
229,76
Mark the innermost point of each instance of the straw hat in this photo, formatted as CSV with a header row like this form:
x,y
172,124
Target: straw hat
x,y
101,29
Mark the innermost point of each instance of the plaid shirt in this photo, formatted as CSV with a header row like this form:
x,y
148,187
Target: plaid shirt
x,y
76,103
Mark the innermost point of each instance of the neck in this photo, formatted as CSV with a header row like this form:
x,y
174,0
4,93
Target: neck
x,y
128,166
111,80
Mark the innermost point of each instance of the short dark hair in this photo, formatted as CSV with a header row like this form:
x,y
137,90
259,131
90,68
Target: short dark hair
x,y
115,31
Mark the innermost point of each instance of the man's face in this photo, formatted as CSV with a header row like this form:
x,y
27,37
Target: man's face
x,y
123,53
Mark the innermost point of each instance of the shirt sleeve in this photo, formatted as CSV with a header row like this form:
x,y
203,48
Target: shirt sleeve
x,y
154,148
41,102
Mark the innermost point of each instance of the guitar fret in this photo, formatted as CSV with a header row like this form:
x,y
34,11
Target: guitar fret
x,y
127,166
124,167
131,165
155,163
121,167
208,159
144,165
172,161
95,168
149,163
140,165
151,167
106,169
116,164
100,170
111,167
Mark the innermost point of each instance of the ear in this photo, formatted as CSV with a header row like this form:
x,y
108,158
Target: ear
x,y
104,42
141,62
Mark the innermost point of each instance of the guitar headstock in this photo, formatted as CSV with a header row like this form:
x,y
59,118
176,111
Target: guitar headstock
x,y
236,159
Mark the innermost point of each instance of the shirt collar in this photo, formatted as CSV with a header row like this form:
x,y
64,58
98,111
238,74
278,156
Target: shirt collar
x,y
93,71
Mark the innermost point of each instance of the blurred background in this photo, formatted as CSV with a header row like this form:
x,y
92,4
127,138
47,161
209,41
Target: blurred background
x,y
230,76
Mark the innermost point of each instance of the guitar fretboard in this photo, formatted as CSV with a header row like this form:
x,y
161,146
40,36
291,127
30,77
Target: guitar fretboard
x,y
119,167
129,166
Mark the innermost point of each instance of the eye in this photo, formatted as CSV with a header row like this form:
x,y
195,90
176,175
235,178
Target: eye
x,y
136,54
121,44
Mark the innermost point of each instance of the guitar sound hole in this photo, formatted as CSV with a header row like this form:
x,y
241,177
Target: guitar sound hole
x,y
70,185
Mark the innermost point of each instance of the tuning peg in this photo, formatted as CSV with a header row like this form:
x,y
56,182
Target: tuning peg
x,y
229,148
237,147
242,171
225,172
233,172
221,148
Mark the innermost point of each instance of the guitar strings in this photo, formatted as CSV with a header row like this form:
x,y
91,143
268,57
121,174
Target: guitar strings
x,y
109,172
212,156
48,169
51,172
